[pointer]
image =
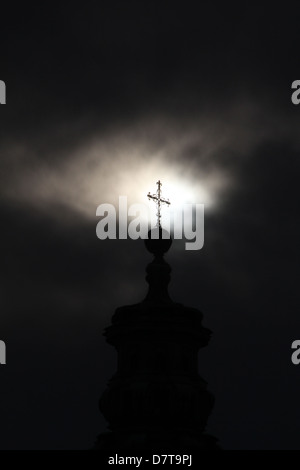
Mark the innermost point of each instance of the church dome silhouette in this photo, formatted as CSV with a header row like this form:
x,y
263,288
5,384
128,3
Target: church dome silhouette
x,y
156,400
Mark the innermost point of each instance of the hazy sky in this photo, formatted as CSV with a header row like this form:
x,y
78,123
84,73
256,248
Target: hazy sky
x,y
103,99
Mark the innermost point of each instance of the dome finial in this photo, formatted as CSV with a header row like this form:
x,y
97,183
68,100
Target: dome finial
x,y
159,242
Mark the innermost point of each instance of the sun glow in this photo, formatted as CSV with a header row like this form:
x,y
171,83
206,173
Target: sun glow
x,y
103,171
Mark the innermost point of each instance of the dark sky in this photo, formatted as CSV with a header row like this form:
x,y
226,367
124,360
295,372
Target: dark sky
x,y
103,98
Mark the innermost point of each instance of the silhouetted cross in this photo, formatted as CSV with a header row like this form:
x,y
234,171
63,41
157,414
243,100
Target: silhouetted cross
x,y
159,201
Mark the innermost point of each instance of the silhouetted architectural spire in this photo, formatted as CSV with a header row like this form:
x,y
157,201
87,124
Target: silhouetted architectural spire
x,y
158,272
156,400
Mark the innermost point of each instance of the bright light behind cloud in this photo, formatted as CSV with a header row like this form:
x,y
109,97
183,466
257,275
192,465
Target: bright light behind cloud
x,y
94,180
128,165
